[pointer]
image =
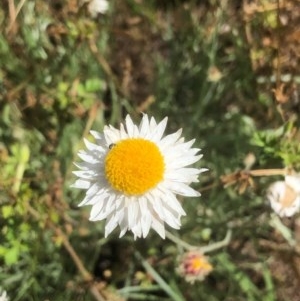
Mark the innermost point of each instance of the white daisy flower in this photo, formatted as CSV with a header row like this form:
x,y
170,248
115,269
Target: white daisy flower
x,y
132,176
284,196
3,296
96,7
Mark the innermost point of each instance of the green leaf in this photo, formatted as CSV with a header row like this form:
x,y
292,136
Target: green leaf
x,y
7,211
12,255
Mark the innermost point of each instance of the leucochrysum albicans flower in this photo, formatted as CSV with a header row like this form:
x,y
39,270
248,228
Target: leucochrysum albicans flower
x,y
284,196
194,266
132,176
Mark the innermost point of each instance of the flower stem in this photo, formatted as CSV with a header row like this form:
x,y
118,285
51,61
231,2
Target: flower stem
x,y
204,249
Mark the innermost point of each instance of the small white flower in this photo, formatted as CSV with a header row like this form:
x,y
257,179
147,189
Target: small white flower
x,y
96,7
284,196
3,296
132,176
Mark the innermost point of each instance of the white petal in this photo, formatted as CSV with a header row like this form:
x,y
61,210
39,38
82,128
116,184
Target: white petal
x,y
290,211
156,204
88,157
97,135
85,165
171,220
187,175
153,124
110,204
81,184
93,199
143,204
169,139
96,211
188,144
120,202
144,126
181,188
179,150
124,223
184,161
85,174
106,208
158,226
92,147
132,129
294,182
133,211
156,134
93,189
111,224
137,230
123,133
111,135
173,203
146,223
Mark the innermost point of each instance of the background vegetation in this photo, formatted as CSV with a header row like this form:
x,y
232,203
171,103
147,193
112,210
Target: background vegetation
x,y
226,71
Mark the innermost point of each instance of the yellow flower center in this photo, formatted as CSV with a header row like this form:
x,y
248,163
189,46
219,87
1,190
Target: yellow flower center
x,y
133,166
200,264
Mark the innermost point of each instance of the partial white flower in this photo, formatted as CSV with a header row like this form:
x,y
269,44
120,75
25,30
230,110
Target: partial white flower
x,y
132,176
3,296
284,196
96,7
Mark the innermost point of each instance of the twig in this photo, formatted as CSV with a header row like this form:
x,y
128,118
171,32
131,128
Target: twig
x,y
279,247
79,264
85,274
106,67
268,172
13,13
